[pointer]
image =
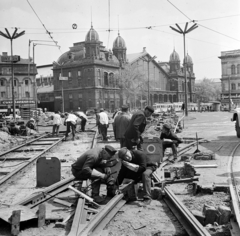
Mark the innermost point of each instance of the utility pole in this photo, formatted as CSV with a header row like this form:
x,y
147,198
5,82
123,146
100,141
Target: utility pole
x,y
184,32
229,94
11,37
148,60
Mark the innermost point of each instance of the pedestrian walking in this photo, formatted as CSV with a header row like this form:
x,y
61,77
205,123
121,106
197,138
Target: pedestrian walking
x,y
136,127
120,125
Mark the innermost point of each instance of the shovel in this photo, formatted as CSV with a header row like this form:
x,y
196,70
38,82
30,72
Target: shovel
x,y
196,151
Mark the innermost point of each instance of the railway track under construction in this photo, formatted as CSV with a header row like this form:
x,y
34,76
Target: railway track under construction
x,y
92,221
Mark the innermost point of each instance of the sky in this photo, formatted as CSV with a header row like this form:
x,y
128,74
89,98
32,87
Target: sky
x,y
141,23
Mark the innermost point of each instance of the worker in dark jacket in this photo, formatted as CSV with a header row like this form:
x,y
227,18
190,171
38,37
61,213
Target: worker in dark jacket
x,y
120,125
93,164
136,127
138,166
172,143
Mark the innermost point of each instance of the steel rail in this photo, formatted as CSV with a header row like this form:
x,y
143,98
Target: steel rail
x,y
185,217
15,171
106,214
51,191
233,187
22,145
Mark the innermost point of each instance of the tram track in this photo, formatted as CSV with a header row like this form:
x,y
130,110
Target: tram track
x,y
234,184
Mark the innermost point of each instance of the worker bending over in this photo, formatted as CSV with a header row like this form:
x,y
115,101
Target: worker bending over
x,y
173,141
136,165
136,127
93,164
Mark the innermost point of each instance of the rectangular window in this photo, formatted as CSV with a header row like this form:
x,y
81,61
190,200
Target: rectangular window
x,y
79,95
238,85
26,82
79,73
6,70
3,94
27,94
38,82
70,74
45,81
70,96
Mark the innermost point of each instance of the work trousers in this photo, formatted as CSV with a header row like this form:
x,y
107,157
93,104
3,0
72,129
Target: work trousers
x,y
146,179
71,126
122,142
103,129
83,124
170,144
55,129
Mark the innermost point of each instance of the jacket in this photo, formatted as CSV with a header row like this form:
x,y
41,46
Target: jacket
x,y
120,124
171,136
88,161
139,158
136,126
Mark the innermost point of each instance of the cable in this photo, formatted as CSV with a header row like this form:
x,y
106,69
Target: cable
x,y
44,26
219,32
179,10
220,17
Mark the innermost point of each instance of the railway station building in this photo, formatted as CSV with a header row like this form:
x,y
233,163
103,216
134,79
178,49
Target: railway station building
x,y
90,76
230,79
24,86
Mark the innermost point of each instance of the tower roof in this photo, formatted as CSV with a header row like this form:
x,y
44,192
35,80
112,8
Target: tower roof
x,y
174,57
119,43
188,59
92,35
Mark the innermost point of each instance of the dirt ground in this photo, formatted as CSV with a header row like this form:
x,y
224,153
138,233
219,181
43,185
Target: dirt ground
x,y
156,218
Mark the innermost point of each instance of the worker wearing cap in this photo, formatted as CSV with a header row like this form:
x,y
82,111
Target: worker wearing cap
x,y
103,123
138,166
93,165
175,141
136,127
120,125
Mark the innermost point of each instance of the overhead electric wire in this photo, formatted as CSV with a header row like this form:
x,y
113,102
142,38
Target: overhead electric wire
x,y
203,25
49,33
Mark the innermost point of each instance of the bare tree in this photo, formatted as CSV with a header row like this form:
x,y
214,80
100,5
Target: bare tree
x,y
132,83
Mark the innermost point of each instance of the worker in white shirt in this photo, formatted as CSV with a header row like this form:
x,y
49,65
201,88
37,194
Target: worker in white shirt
x,y
57,121
71,122
103,123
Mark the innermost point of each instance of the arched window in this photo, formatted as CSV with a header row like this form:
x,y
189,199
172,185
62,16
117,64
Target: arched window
x,y
233,72
183,86
106,78
238,69
233,86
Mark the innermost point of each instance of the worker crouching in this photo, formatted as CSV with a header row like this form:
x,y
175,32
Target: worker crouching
x,y
93,164
136,165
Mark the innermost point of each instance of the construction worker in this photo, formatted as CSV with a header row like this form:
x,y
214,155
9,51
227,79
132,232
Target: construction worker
x,y
136,165
103,123
57,121
31,124
120,125
136,127
173,144
93,164
71,122
83,118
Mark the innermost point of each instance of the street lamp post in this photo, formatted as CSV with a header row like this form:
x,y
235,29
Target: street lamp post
x,y
229,93
148,61
14,36
184,32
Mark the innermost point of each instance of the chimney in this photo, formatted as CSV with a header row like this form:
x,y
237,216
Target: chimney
x,y
144,49
4,53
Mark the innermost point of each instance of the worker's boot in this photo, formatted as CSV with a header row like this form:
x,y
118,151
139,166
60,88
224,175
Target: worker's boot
x,y
95,192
